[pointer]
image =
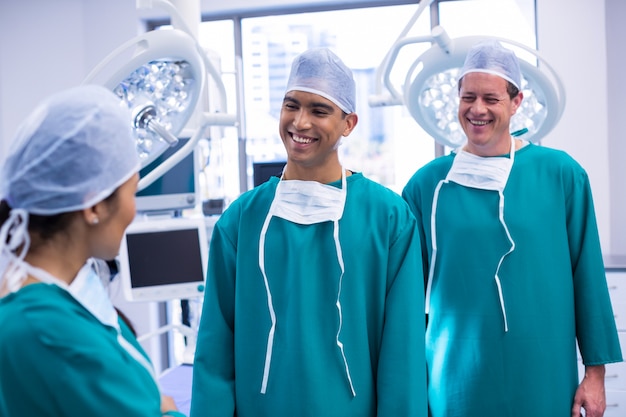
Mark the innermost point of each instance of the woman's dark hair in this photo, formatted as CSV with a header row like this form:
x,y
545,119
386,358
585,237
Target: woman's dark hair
x,y
45,226
126,321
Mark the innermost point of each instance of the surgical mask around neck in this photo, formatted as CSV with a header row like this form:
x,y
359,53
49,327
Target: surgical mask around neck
x,y
485,173
14,244
88,290
306,203
309,202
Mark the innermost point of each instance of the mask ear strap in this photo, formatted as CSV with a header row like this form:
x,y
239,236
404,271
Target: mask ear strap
x,y
511,249
512,152
13,237
270,303
338,304
508,235
433,238
14,232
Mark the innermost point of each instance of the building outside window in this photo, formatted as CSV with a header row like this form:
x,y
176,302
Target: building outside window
x,y
388,146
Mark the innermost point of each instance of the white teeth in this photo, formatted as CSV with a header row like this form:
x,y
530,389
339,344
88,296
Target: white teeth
x,y
479,122
300,139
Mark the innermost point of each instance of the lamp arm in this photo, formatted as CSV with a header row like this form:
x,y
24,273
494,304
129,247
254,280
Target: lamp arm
x,y
182,328
214,73
173,11
386,64
185,150
395,98
169,8
219,119
208,119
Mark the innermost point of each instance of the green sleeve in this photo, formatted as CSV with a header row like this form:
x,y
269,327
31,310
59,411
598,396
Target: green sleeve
x,y
66,363
594,314
214,370
402,362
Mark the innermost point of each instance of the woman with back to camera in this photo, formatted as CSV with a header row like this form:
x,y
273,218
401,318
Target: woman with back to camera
x,y
68,193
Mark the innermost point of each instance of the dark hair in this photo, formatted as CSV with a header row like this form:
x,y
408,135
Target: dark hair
x,y
511,90
45,227
126,321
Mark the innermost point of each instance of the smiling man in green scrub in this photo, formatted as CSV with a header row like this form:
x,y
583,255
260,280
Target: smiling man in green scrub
x,y
314,298
515,275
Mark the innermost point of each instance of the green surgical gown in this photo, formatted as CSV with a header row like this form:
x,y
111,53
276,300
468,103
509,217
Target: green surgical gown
x,y
58,360
381,307
553,287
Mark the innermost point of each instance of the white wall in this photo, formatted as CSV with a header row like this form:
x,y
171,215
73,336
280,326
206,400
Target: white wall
x,y
572,38
46,46
616,33
37,55
585,44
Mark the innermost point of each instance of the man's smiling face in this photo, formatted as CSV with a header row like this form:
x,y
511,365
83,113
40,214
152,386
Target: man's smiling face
x,y
485,111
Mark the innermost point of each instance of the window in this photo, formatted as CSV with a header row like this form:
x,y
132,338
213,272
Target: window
x,y
388,146
386,143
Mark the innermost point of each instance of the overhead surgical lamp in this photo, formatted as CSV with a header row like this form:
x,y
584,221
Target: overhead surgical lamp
x,y
430,90
161,75
160,82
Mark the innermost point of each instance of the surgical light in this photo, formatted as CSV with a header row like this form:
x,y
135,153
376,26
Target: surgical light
x,y
430,90
158,92
161,77
431,93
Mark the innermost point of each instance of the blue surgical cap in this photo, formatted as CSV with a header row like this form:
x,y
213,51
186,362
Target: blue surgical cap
x,y
72,152
321,72
492,58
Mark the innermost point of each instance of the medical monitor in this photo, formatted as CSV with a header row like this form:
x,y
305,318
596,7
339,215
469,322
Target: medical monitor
x,y
263,171
164,259
177,189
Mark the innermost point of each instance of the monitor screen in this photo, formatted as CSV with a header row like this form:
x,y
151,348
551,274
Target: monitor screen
x,y
164,259
174,190
263,171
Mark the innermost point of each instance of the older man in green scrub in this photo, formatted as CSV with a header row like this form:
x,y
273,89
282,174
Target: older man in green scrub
x,y
515,274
